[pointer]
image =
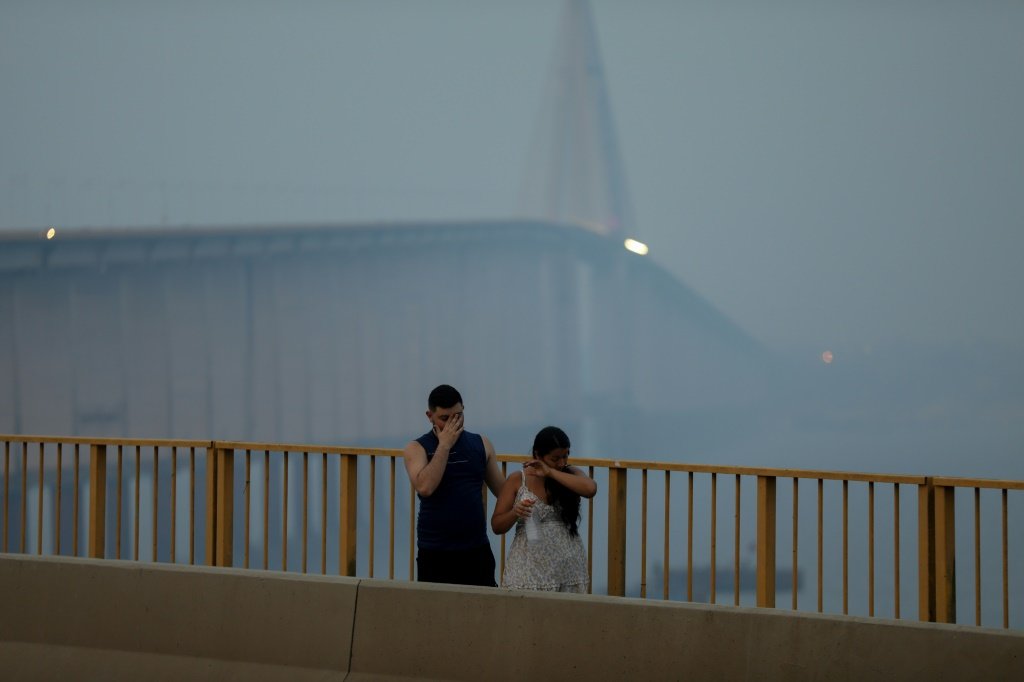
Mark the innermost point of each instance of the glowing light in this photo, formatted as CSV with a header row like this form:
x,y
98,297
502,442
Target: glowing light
x,y
827,357
636,247
51,233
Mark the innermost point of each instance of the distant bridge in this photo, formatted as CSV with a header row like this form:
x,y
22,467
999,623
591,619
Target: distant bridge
x,y
335,333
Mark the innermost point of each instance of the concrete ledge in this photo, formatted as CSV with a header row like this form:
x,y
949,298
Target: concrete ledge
x,y
66,618
443,632
24,662
248,616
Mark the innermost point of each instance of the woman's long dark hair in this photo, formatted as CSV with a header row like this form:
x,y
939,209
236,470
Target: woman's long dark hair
x,y
568,503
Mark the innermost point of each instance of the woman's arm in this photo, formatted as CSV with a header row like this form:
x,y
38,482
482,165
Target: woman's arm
x,y
505,513
572,478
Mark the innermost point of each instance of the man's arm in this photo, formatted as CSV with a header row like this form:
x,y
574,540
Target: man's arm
x,y
426,476
492,474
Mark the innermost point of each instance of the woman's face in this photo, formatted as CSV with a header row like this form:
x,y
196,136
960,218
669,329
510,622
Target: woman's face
x,y
557,458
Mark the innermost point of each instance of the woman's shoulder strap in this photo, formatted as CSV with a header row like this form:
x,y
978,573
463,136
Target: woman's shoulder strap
x,y
522,479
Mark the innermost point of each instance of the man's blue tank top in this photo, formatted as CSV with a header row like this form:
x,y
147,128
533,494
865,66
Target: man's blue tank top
x,y
453,516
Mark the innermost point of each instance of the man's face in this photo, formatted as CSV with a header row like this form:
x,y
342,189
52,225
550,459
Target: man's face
x,y
440,415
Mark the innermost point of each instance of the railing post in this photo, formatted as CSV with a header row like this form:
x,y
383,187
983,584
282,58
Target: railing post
x,y
211,507
945,555
220,480
766,541
97,501
926,551
617,531
347,525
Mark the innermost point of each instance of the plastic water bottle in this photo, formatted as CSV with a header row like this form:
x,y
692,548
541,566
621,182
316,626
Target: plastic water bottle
x,y
531,522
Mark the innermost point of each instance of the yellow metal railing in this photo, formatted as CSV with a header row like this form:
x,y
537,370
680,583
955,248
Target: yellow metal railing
x,y
317,508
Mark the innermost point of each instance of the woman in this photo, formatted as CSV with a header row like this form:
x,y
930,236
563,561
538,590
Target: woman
x,y
548,492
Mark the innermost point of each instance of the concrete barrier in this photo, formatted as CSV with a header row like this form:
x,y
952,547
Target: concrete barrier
x,y
440,632
95,619
85,619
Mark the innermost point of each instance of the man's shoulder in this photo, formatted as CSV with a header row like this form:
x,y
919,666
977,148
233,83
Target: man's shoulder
x,y
419,442
477,438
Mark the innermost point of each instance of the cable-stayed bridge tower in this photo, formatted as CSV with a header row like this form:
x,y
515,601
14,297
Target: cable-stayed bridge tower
x,y
574,172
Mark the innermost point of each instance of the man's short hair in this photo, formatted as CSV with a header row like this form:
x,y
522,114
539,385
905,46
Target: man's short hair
x,y
443,396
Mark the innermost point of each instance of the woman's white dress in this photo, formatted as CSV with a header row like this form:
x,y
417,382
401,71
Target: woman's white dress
x,y
555,563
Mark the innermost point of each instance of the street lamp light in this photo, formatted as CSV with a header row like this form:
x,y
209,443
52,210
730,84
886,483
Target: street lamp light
x,y
636,247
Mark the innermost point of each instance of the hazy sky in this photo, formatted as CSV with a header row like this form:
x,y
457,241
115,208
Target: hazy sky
x,y
830,174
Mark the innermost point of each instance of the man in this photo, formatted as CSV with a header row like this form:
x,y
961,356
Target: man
x,y
447,467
